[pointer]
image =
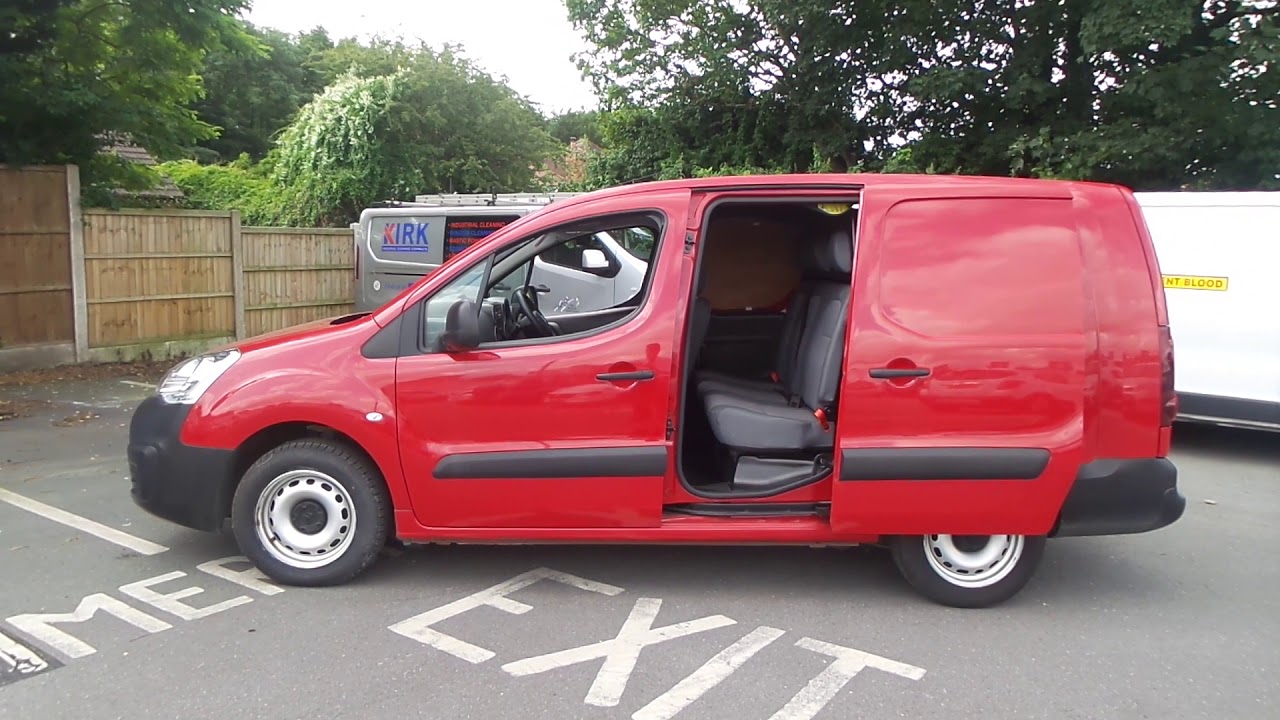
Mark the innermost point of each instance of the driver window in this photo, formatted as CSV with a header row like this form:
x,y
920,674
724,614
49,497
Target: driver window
x,y
570,280
464,287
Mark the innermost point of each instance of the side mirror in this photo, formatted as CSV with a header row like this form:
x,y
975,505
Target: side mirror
x,y
593,259
461,327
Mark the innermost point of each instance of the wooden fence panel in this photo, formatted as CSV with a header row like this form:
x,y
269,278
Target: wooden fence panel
x,y
158,276
36,299
295,275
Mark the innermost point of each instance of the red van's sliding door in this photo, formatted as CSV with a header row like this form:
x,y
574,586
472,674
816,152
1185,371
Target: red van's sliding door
x,y
963,406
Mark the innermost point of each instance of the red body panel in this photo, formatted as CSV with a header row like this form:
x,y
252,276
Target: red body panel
x,y
1068,361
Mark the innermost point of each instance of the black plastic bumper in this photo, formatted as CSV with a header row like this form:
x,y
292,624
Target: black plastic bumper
x,y
186,485
1118,497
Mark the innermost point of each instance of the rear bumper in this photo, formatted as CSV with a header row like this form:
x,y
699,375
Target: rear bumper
x,y
1118,497
186,485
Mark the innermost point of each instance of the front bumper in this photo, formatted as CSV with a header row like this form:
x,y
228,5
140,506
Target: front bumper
x,y
186,485
1118,497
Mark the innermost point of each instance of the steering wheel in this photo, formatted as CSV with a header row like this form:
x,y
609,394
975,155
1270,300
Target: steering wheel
x,y
525,298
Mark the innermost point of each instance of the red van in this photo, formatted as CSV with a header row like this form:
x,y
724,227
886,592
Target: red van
x,y
957,368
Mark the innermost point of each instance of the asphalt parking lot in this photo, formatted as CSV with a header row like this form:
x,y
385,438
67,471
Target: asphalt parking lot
x,y
99,618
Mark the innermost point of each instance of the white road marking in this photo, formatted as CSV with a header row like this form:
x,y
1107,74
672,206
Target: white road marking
x,y
620,654
170,602
688,690
18,658
135,383
251,578
419,627
848,663
40,625
110,534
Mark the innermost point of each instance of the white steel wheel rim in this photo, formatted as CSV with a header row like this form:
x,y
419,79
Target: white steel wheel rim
x,y
305,519
973,568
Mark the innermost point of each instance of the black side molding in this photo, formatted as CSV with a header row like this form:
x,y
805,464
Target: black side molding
x,y
943,463
644,461
1121,497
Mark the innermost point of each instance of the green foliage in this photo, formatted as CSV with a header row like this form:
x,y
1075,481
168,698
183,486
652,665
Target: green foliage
x,y
76,70
584,125
251,93
239,185
1154,94
438,124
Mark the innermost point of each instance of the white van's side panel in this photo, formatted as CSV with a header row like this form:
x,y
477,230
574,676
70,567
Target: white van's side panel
x,y
1220,256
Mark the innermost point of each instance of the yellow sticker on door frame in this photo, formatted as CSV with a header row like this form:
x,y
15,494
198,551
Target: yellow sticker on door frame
x,y
1195,282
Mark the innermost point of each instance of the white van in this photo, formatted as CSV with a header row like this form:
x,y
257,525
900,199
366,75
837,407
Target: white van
x,y
1220,256
395,246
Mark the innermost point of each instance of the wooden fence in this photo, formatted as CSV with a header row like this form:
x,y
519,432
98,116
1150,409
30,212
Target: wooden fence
x,y
102,285
37,322
168,282
294,275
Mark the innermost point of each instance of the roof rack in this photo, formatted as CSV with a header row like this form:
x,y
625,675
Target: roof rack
x,y
492,199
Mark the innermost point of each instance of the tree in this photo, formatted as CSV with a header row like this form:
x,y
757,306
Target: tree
x,y
1154,94
584,125
1150,93
76,71
251,94
788,83
438,124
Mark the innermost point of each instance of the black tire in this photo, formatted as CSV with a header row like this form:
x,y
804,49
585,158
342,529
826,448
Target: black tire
x,y
355,478
911,555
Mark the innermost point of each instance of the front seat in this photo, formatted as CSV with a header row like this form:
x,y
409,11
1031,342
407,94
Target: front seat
x,y
751,421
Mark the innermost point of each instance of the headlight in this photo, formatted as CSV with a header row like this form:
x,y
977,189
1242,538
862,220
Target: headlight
x,y
187,382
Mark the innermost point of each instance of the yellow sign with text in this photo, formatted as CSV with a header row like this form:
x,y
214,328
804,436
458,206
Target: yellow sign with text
x,y
1195,282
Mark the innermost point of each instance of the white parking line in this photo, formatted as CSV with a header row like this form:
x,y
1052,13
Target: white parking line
x,y
135,383
111,535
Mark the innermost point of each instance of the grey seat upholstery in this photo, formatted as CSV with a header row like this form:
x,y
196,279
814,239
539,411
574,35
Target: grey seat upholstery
x,y
699,320
757,419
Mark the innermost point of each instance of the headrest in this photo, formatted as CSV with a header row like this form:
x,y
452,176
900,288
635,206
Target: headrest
x,y
832,255
838,253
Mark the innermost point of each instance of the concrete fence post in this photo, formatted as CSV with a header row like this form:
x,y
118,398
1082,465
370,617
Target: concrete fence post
x,y
237,274
79,293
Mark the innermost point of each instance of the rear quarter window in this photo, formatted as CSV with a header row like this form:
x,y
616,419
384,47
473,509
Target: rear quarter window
x,y
982,266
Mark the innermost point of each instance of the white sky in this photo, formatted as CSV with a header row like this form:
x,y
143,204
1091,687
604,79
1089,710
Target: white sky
x,y
527,41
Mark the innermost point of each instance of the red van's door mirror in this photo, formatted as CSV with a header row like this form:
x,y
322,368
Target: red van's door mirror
x,y
461,327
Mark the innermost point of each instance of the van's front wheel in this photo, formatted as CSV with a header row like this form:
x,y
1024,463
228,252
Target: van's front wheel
x,y
967,571
311,512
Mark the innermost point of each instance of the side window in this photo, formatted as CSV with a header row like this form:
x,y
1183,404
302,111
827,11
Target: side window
x,y
568,254
464,287
954,267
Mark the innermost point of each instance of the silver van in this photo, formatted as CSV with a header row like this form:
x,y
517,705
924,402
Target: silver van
x,y
395,246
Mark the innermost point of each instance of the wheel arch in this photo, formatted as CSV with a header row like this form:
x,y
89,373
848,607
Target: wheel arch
x,y
258,444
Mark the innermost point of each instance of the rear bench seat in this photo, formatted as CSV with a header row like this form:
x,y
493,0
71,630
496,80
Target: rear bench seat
x,y
763,416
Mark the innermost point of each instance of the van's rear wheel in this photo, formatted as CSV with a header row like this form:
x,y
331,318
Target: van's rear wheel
x,y
311,512
967,571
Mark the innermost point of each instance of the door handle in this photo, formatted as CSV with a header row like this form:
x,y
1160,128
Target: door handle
x,y
892,373
625,376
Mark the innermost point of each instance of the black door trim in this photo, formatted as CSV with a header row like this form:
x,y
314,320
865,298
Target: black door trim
x,y
640,461
943,463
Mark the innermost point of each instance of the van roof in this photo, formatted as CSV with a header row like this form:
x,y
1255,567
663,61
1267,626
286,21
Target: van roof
x,y
836,181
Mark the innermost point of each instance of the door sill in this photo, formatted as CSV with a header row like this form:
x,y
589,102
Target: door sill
x,y
752,510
